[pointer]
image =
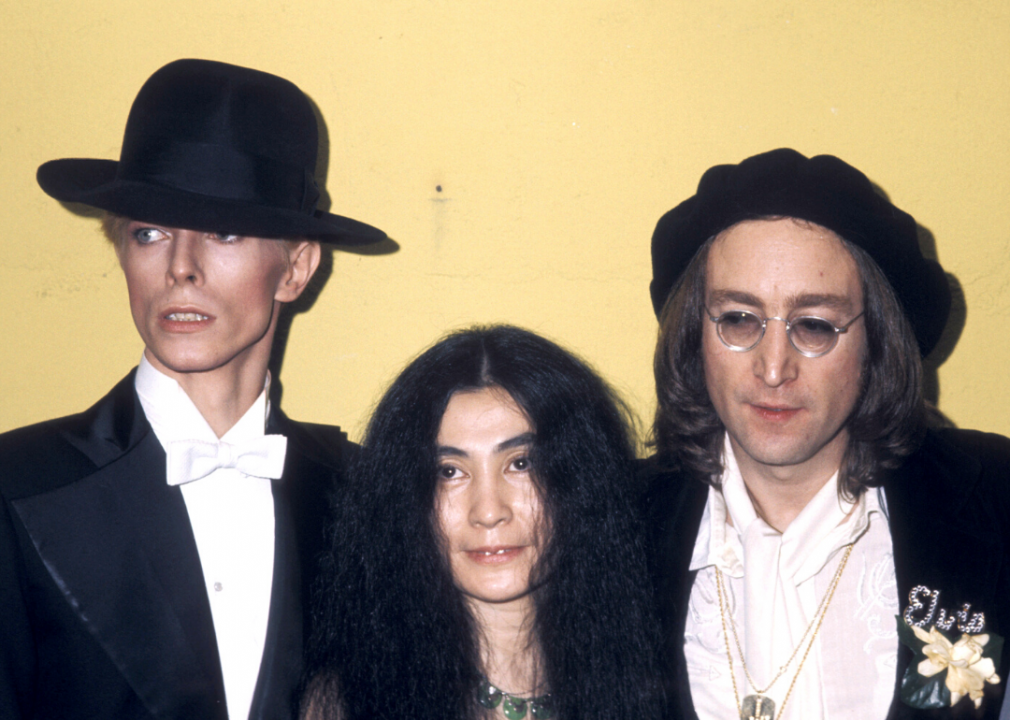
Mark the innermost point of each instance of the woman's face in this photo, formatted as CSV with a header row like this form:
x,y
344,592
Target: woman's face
x,y
486,502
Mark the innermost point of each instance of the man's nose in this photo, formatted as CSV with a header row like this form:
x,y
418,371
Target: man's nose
x,y
775,359
185,264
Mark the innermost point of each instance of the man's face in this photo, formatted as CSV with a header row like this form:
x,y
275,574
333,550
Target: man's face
x,y
203,301
785,413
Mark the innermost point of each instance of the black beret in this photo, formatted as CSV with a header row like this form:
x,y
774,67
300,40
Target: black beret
x,y
823,190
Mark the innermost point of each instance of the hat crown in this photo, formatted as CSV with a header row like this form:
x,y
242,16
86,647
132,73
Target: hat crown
x,y
202,101
223,131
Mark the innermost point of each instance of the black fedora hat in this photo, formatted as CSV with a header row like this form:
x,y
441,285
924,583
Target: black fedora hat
x,y
215,147
823,190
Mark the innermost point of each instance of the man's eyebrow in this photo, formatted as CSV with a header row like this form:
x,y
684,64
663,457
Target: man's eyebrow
x,y
804,300
718,297
517,441
825,300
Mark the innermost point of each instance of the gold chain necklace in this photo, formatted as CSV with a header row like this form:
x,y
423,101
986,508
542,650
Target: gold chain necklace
x,y
759,706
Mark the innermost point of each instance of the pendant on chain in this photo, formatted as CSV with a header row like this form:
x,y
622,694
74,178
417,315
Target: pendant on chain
x,y
757,707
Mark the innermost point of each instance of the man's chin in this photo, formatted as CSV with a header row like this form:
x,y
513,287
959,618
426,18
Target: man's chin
x,y
785,452
773,450
183,364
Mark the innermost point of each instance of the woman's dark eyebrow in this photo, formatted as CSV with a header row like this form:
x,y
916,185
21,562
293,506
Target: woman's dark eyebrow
x,y
517,441
449,450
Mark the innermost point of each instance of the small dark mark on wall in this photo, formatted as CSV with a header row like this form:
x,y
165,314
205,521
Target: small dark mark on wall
x,y
438,188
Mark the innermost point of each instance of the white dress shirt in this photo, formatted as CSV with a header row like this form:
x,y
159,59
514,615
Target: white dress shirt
x,y
774,584
232,516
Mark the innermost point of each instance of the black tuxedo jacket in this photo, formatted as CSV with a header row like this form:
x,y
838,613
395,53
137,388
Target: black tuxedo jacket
x,y
948,508
103,608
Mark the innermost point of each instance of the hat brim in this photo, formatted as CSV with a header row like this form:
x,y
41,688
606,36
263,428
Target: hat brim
x,y
94,182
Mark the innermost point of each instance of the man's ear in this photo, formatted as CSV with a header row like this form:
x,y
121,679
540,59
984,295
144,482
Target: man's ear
x,y
303,259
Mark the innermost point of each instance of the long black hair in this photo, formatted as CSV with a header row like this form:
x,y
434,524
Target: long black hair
x,y
394,637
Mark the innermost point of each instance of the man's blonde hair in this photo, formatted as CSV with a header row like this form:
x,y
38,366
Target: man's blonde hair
x,y
114,228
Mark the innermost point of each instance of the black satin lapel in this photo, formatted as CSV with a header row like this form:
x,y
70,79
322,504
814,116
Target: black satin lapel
x,y
939,544
112,426
281,667
119,545
301,500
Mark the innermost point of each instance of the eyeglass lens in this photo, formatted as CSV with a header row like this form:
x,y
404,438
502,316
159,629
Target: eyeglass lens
x,y
809,334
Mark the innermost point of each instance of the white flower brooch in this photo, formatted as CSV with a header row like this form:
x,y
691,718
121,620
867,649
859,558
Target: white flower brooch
x,y
944,670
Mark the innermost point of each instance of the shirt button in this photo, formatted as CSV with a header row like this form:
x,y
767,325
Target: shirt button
x,y
218,587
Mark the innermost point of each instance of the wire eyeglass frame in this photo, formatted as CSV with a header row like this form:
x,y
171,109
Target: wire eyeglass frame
x,y
790,325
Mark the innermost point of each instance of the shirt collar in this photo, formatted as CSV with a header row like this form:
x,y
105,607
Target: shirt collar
x,y
173,416
826,525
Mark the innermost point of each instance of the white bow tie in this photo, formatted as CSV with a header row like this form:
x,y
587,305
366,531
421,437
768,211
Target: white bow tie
x,y
190,460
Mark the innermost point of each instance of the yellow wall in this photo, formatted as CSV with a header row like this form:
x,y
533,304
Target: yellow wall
x,y
559,133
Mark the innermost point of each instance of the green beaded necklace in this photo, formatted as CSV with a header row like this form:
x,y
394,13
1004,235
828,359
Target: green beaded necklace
x,y
514,707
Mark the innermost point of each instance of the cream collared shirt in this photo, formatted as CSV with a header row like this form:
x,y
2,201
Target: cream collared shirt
x,y
232,516
775,583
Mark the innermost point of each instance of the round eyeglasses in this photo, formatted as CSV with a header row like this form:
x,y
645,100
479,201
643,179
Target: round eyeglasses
x,y
812,336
